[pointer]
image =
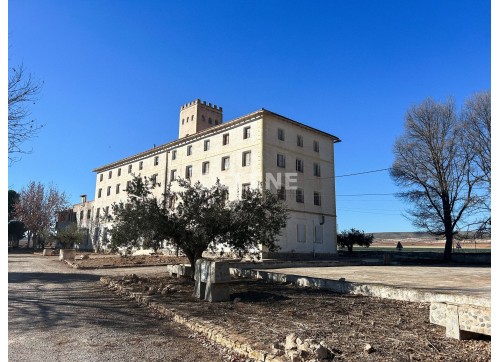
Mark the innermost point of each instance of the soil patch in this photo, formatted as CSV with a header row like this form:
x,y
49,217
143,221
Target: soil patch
x,y
267,312
95,261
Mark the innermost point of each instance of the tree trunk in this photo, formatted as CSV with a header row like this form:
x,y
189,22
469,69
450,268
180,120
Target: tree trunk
x,y
349,248
448,229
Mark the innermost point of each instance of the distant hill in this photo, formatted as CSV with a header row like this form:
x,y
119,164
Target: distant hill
x,y
402,235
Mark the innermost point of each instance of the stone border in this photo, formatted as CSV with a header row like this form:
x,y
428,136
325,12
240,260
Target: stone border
x,y
220,335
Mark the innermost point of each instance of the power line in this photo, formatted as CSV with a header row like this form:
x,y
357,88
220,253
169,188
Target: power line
x,y
365,172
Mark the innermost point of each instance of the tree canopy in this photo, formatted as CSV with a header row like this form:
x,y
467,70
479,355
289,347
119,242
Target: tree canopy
x,y
38,206
196,219
435,166
349,238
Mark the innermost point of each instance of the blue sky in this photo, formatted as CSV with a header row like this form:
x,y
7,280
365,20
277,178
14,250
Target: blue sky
x,y
116,72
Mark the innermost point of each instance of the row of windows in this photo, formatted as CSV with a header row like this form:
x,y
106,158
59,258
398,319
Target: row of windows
x,y
300,140
117,187
246,158
88,214
202,118
299,195
206,143
156,162
299,165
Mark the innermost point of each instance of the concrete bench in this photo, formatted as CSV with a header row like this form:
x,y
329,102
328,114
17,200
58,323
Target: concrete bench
x,y
179,270
212,280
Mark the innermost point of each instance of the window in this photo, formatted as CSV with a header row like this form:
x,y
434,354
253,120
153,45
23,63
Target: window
x,y
100,177
81,215
154,179
216,122
140,165
209,120
157,160
99,193
301,233
225,163
189,171
106,211
281,161
189,150
108,192
110,173
246,133
129,184
205,167
171,202
282,193
88,214
174,154
316,146
192,118
246,159
317,198
318,234
300,141
129,168
299,196
97,213
225,139
299,165
119,172
183,121
206,145
173,175
245,188
118,188
281,134
317,170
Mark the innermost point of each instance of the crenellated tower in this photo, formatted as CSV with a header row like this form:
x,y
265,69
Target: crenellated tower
x,y
197,116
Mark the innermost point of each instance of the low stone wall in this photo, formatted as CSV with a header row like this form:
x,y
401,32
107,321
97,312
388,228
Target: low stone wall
x,y
460,319
420,256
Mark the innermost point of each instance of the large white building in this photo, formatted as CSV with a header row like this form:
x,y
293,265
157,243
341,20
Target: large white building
x,y
260,149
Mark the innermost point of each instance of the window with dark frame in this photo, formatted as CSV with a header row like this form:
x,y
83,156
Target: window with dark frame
x,y
300,141
189,171
100,177
189,150
173,175
129,168
108,192
99,193
118,188
282,193
88,214
245,188
97,213
317,198
174,154
140,165
246,133
317,170
206,145
299,196
299,165
280,162
281,134
205,167
110,173
225,163
157,160
225,139
129,184
246,157
81,215
316,146
119,172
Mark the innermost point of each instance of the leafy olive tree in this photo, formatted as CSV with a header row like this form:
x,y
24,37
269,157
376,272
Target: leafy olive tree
x,y
349,238
197,218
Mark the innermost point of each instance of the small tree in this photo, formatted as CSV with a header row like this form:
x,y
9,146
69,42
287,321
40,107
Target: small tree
x,y
16,231
197,218
349,238
37,208
70,236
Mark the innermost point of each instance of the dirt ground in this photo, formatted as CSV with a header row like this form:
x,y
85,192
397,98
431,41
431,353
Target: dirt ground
x,y
114,260
268,312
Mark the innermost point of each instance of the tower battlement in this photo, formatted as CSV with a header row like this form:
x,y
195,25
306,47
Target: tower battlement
x,y
197,116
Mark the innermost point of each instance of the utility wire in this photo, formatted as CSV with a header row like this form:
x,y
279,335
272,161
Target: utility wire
x,y
362,173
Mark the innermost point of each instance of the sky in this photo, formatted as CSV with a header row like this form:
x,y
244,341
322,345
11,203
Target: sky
x,y
115,74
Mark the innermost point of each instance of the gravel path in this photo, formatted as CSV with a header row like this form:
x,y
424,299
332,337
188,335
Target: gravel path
x,y
60,314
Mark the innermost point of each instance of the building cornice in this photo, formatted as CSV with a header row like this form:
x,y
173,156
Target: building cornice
x,y
212,130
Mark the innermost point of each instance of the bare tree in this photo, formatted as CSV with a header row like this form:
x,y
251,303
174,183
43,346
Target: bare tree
x,y
23,91
37,208
434,165
476,117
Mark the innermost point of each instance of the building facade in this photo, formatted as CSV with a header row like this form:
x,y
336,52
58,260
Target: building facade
x,y
261,149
